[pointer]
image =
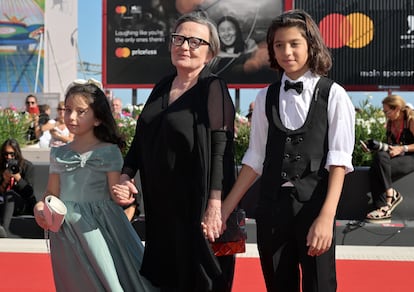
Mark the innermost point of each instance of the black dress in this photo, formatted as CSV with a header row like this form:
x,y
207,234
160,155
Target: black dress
x,y
182,151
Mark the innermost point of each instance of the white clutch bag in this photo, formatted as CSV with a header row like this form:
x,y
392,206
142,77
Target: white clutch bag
x,y
54,212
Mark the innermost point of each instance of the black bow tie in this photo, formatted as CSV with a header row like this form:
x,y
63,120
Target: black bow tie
x,y
298,86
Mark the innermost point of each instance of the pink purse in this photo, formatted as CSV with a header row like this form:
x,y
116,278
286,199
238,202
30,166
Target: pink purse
x,y
54,212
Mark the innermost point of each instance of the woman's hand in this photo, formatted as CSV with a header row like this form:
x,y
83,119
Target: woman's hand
x,y
396,150
39,215
212,224
7,175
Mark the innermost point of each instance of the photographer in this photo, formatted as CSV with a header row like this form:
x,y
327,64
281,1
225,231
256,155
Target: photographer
x,y
16,185
392,160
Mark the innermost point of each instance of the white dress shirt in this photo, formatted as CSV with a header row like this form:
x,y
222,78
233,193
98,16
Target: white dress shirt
x,y
294,109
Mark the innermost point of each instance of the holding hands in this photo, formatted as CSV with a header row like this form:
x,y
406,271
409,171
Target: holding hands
x,y
123,192
212,223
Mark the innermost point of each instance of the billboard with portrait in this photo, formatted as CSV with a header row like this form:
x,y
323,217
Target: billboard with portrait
x,y
136,36
372,41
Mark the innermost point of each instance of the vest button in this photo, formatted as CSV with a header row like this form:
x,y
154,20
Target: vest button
x,y
288,139
298,157
287,155
283,174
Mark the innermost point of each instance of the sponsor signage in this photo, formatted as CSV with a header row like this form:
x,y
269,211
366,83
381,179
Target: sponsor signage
x,y
372,41
136,36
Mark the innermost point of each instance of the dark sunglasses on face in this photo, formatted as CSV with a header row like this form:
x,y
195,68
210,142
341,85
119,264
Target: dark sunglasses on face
x,y
30,102
8,154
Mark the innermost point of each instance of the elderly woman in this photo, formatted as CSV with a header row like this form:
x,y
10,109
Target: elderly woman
x,y
183,148
392,162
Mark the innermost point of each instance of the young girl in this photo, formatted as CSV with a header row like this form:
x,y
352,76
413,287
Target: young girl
x,y
96,248
301,144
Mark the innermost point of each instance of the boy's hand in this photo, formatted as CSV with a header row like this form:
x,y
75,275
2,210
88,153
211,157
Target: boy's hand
x,y
319,238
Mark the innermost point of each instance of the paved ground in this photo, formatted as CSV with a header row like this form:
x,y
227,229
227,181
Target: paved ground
x,y
35,154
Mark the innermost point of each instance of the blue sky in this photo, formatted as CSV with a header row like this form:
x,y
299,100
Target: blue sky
x,y
90,50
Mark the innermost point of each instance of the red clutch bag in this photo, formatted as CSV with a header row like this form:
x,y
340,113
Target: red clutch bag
x,y
233,240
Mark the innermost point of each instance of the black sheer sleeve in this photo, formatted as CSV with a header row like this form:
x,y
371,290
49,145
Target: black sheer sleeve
x,y
131,164
220,107
221,117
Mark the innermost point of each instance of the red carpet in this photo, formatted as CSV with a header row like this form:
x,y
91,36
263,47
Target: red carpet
x,y
32,272
353,276
26,272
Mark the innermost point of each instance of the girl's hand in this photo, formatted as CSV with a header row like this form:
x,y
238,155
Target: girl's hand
x,y
39,216
123,192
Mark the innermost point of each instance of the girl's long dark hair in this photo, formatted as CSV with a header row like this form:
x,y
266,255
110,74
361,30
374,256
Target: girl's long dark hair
x,y
239,44
17,152
107,130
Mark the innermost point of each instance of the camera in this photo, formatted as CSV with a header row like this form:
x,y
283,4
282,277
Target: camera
x,y
375,145
13,166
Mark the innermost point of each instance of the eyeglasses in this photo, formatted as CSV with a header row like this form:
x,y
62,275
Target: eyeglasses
x,y
30,102
193,42
9,154
60,109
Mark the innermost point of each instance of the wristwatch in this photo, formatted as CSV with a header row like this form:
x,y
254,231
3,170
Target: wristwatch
x,y
405,147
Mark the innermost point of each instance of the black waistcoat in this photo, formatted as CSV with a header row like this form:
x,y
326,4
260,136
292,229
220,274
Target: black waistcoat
x,y
298,156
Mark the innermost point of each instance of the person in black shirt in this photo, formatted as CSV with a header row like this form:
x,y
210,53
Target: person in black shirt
x,y
16,184
183,149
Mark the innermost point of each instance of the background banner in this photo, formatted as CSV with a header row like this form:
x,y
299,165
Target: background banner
x,y
372,41
136,37
21,58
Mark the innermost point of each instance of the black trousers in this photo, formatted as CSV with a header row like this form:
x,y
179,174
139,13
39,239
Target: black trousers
x,y
385,170
282,227
14,205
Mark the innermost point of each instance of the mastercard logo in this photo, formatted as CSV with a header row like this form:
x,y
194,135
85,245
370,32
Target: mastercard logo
x,y
121,9
123,52
355,30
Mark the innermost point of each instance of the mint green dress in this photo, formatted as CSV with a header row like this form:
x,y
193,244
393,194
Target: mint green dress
x,y
96,248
